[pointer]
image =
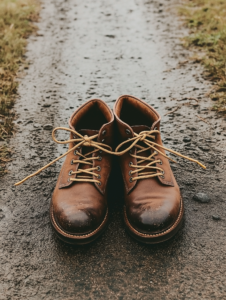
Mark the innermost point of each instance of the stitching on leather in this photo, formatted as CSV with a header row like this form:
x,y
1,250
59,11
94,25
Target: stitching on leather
x,y
123,177
62,184
135,181
77,236
106,180
156,234
168,182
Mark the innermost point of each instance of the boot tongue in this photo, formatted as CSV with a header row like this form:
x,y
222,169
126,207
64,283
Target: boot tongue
x,y
88,132
85,150
139,128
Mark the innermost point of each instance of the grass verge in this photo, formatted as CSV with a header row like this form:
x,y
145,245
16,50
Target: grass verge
x,y
207,22
16,17
4,158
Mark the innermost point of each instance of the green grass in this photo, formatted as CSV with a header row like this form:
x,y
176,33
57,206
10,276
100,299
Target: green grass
x,y
206,20
4,158
16,17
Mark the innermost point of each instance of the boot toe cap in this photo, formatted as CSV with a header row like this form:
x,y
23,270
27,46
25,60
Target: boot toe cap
x,y
78,221
153,219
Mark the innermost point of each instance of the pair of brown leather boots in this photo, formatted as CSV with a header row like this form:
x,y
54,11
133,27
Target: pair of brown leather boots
x,y
153,208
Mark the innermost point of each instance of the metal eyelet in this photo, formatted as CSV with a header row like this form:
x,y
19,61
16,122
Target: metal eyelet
x,y
99,183
68,180
72,162
98,168
130,173
128,131
104,132
130,151
130,164
162,176
76,152
102,140
156,128
100,151
70,173
99,177
156,153
160,162
99,158
131,179
163,172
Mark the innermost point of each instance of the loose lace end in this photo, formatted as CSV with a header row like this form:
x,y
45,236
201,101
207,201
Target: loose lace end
x,y
81,141
201,165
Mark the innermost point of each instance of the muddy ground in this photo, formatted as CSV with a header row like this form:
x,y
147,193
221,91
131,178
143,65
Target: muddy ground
x,y
87,49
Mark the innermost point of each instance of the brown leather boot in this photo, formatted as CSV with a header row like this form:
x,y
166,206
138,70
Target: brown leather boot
x,y
153,205
79,210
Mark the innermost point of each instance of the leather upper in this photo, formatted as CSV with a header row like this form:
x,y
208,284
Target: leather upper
x,y
80,207
152,204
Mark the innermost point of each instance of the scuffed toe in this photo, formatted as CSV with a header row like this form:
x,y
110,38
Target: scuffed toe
x,y
77,221
155,218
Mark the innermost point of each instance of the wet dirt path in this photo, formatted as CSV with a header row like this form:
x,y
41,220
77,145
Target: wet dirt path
x,y
88,49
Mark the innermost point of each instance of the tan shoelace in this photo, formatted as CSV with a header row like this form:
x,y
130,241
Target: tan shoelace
x,y
89,142
154,170
90,172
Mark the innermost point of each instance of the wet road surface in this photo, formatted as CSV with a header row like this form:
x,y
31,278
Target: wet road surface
x,y
88,49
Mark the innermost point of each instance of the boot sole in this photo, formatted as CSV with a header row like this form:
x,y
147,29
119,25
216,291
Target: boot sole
x,y
74,239
158,237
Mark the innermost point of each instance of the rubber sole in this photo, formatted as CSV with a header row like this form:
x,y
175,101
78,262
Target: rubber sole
x,y
158,237
74,239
